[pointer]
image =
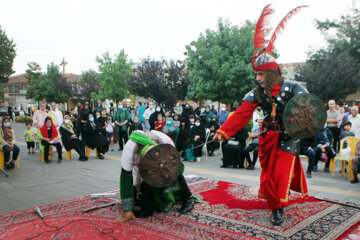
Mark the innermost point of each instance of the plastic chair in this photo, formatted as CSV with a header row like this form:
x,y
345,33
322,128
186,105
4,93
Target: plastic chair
x,y
206,140
351,142
87,151
2,160
41,155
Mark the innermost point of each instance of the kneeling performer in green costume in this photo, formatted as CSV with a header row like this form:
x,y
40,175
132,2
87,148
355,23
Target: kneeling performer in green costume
x,y
151,177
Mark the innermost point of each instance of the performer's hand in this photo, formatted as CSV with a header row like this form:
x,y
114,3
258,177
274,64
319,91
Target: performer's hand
x,y
126,216
218,137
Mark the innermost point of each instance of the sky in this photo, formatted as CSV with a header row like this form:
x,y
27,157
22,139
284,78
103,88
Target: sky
x,y
47,31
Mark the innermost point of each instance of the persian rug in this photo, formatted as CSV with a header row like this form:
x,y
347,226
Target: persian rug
x,y
228,211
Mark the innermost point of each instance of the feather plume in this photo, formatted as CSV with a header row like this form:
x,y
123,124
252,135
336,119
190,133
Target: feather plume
x,y
262,27
280,27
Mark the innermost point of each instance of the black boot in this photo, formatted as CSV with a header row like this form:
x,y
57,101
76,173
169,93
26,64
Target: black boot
x,y
187,205
277,217
355,179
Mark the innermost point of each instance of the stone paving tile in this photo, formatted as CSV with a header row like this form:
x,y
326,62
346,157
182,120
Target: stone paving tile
x,y
38,183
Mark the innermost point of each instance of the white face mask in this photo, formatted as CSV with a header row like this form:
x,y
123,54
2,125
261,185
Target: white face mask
x,y
91,119
223,109
151,107
158,109
67,121
192,120
197,124
97,116
120,106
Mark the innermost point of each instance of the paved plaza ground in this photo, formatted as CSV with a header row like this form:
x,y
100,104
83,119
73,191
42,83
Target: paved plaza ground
x,y
37,183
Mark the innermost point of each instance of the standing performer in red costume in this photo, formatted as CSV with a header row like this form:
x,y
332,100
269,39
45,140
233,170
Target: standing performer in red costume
x,y
278,152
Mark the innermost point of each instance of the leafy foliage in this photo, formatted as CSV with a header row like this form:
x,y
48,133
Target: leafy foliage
x,y
50,85
7,55
113,77
87,86
334,72
219,63
32,74
164,81
329,75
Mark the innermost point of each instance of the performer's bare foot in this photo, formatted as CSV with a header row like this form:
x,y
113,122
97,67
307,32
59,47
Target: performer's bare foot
x,y
126,216
277,217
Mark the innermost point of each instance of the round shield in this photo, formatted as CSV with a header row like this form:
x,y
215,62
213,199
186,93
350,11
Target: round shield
x,y
304,116
160,166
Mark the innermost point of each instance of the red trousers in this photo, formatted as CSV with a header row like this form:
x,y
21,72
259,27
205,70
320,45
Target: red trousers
x,y
281,171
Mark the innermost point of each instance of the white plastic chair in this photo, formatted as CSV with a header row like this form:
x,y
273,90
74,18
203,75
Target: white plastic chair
x,y
206,141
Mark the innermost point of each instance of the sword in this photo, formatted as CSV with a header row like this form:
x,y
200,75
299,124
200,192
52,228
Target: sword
x,y
335,202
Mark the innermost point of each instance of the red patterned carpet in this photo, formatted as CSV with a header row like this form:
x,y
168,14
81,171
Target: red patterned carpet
x,y
228,211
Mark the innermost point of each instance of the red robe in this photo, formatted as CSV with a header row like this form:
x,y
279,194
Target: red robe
x,y
281,171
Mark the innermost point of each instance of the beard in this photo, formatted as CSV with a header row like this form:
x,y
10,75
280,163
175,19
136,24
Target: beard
x,y
272,78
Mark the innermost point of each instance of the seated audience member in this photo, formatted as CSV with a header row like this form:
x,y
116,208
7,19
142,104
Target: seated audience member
x,y
356,164
30,138
346,133
136,125
192,121
70,139
253,145
170,129
233,149
307,147
160,123
207,115
184,136
213,146
323,149
223,115
48,135
176,120
186,112
197,138
7,143
94,137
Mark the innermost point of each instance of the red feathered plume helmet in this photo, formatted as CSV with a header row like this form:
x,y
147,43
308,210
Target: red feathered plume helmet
x,y
263,60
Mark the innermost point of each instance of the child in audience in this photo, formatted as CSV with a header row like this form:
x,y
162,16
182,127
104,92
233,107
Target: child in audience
x,y
30,138
346,133
109,129
159,124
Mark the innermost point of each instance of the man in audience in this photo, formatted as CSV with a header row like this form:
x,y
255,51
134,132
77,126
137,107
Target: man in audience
x,y
223,114
147,115
354,118
323,149
333,119
307,148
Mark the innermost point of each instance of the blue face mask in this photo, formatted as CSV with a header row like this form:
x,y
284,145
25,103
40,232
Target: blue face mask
x,y
256,127
7,124
48,125
168,122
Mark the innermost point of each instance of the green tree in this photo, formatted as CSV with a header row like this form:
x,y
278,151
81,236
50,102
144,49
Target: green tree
x,y
113,75
164,81
219,63
7,55
50,85
333,72
32,74
87,86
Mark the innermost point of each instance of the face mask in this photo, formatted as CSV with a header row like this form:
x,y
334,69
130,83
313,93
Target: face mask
x,y
48,125
168,122
192,121
223,109
97,116
109,119
256,127
151,107
7,124
67,121
120,106
91,119
197,124
158,109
